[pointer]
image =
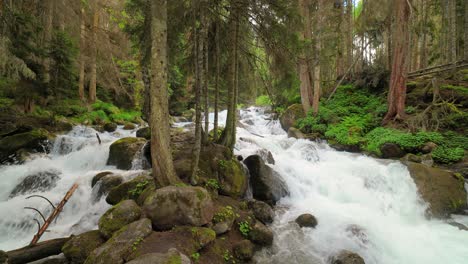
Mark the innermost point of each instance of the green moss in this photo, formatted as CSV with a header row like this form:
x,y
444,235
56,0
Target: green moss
x,y
213,184
447,155
225,213
195,257
200,195
139,188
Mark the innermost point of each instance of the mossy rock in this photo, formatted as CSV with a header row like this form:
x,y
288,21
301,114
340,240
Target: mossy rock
x,y
261,234
233,178
31,141
202,235
244,250
79,247
173,256
119,216
144,132
130,190
123,151
110,127
291,115
129,126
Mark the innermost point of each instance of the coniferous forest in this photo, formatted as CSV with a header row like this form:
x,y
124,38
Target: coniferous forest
x,y
234,131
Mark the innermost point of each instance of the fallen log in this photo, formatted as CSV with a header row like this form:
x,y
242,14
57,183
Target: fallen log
x,y
36,252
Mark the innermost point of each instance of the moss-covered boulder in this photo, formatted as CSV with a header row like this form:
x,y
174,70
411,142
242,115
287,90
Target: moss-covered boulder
x,y
391,150
291,115
131,189
306,220
442,189
267,186
31,141
173,256
129,126
121,245
118,216
104,182
262,211
109,127
172,206
79,247
260,234
295,133
347,257
144,132
244,250
233,178
123,151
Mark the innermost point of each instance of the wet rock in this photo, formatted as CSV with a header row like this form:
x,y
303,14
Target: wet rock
x,y
428,147
355,148
444,192
37,182
130,190
32,141
171,206
129,126
260,234
295,133
358,232
222,227
58,259
244,250
144,132
105,184
79,247
424,159
99,176
347,257
118,216
262,211
110,127
233,178
291,115
391,150
266,184
172,256
459,226
306,220
117,249
266,156
123,151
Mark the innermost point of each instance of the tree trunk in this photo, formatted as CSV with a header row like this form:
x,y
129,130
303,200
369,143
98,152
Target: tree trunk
x,y
81,80
304,71
397,93
161,156
318,46
350,38
423,51
218,67
466,31
49,13
206,109
453,31
39,251
92,81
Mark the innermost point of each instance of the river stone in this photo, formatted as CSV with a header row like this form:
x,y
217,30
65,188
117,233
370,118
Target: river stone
x,y
110,127
129,126
266,184
291,115
117,249
391,150
295,133
262,211
260,234
459,226
99,176
118,216
37,182
172,206
428,147
233,179
306,220
444,192
172,256
79,247
130,190
105,184
31,141
123,151
144,132
347,257
244,250
266,156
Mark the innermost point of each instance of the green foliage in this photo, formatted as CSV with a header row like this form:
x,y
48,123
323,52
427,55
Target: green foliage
x,y
263,100
447,155
213,184
136,243
244,228
195,256
139,188
225,213
6,102
227,256
223,164
410,109
62,52
350,131
460,89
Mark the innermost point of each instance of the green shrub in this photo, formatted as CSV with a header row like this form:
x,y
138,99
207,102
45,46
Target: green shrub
x,y
263,100
244,228
447,155
108,108
6,102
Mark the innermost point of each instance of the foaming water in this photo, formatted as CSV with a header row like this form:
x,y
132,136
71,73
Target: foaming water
x,y
362,204
75,157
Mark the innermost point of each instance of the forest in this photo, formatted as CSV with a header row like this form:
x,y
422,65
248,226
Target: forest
x,y
233,131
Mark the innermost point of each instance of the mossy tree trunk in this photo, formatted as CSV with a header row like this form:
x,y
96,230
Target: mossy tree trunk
x,y
93,78
163,168
81,80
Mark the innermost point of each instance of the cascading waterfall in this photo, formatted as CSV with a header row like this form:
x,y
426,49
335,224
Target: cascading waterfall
x,y
362,204
74,157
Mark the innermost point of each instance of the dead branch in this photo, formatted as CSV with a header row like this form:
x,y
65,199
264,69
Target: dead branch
x,y
98,138
38,251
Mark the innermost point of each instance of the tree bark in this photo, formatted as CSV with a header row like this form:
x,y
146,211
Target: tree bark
x,y
92,81
423,51
397,93
317,69
39,251
163,168
81,80
218,67
453,31
349,39
466,31
206,109
49,13
304,71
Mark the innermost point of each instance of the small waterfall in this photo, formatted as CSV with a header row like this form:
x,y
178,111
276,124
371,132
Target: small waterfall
x,y
140,162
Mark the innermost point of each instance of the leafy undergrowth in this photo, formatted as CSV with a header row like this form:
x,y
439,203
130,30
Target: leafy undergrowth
x,y
353,117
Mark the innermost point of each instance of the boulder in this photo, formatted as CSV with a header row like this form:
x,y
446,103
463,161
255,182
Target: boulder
x,y
172,256
118,216
110,127
262,211
260,234
347,257
291,115
444,192
428,147
123,151
391,150
117,249
306,220
129,126
79,247
353,148
31,141
130,190
144,132
425,159
266,184
172,206
295,133
105,184
244,250
223,219
266,156
37,182
459,226
99,176
233,179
